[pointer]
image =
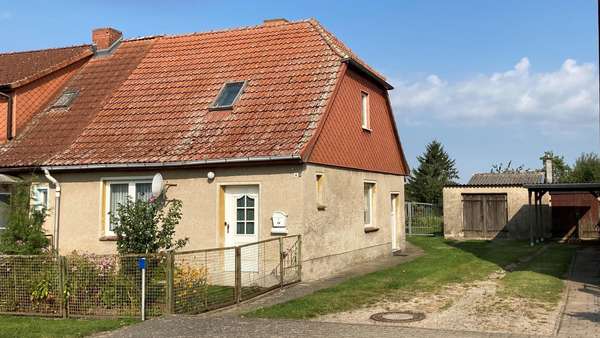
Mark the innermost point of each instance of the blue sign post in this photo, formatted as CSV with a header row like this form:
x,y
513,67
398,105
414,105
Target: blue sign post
x,y
142,266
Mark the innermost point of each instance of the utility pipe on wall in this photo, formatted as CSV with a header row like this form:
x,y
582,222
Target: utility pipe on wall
x,y
56,229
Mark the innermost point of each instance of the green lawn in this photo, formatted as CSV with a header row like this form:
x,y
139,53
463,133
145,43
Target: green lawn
x,y
540,279
443,262
35,327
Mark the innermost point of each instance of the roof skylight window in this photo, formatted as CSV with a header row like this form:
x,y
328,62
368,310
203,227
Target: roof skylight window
x,y
230,93
65,99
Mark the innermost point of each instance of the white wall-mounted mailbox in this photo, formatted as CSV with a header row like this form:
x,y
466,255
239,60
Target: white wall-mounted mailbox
x,y
279,219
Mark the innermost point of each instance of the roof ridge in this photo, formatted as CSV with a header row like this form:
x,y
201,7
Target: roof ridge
x,y
143,37
521,172
44,49
225,30
327,37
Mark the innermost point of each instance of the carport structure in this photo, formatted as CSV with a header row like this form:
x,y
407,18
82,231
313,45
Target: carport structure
x,y
537,191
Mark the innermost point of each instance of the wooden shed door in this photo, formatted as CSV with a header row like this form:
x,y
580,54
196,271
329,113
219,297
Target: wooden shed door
x,y
484,215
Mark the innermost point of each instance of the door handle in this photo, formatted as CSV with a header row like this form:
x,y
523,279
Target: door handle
x,y
227,226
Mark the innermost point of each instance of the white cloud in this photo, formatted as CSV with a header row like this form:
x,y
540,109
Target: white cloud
x,y
564,98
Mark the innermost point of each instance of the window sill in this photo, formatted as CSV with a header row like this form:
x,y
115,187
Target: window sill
x,y
110,238
371,228
321,207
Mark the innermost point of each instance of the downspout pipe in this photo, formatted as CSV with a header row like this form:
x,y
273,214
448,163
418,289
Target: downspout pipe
x,y
9,115
56,229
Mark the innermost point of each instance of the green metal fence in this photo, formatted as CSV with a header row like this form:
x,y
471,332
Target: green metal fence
x,y
424,219
88,285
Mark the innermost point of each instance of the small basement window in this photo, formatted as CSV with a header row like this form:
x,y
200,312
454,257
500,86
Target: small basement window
x,y
65,99
228,95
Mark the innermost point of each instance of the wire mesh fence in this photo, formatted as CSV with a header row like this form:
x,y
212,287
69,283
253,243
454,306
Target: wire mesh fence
x,y
30,285
424,219
110,285
89,285
203,280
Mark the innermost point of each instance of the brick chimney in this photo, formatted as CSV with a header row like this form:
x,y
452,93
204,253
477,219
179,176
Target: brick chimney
x,y
548,169
104,38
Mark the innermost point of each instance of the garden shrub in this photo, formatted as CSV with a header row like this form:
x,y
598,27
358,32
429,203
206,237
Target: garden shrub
x,y
147,226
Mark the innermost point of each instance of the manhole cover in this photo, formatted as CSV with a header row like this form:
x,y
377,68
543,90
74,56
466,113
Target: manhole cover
x,y
398,316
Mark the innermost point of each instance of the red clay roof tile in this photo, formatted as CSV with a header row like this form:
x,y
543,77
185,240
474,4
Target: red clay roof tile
x,y
19,68
149,101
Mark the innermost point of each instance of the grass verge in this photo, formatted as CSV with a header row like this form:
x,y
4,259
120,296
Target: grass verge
x,y
444,262
35,327
540,279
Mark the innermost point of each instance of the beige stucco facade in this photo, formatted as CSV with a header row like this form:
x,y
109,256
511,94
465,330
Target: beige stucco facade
x,y
333,237
520,216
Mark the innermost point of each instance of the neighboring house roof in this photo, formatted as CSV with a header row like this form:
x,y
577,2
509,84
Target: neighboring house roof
x,y
491,179
149,101
20,68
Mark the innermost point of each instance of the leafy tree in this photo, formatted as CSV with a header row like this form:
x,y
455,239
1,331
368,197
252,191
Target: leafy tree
x,y
147,226
435,170
560,169
24,234
586,169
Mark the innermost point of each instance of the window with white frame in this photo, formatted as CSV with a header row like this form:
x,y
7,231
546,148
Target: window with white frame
x,y
4,209
365,111
40,197
118,192
369,197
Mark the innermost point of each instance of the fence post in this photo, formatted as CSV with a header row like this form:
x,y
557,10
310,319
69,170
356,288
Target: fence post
x,y
62,280
238,274
299,243
409,216
281,262
170,299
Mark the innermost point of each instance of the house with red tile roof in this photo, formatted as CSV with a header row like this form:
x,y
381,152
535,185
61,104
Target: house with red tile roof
x,y
276,120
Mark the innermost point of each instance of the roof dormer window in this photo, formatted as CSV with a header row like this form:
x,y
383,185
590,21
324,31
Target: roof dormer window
x,y
228,95
65,99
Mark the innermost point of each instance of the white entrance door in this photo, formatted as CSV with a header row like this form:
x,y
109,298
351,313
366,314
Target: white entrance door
x,y
394,221
241,225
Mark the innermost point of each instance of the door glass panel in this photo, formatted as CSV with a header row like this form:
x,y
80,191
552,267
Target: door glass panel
x,y
245,215
250,228
240,228
250,214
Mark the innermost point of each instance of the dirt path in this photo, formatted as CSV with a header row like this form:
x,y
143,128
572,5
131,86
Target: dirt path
x,y
470,307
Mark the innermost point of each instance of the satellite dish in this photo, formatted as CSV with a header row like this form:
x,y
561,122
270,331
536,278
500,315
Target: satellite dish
x,y
158,185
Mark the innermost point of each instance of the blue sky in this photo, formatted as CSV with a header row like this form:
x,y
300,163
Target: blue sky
x,y
492,80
